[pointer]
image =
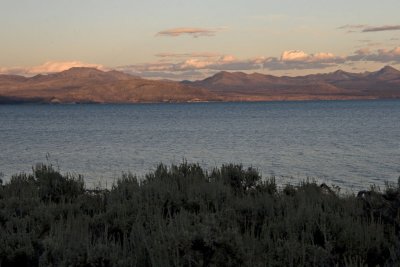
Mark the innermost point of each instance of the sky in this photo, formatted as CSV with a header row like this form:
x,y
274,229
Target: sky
x,y
193,39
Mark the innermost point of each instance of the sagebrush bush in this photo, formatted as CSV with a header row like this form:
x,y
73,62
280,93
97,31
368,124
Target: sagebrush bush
x,y
182,215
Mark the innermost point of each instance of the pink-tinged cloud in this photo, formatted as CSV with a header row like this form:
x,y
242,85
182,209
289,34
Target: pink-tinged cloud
x,y
174,66
294,55
194,32
195,63
48,67
12,70
200,63
289,60
301,56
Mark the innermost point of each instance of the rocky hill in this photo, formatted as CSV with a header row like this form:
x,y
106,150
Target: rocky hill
x,y
88,85
384,83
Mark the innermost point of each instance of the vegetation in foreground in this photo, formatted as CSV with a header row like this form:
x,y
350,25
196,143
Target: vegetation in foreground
x,y
183,216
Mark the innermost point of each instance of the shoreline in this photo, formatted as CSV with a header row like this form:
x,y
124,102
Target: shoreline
x,y
28,102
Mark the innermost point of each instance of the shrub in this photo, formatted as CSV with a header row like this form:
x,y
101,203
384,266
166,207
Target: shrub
x,y
180,215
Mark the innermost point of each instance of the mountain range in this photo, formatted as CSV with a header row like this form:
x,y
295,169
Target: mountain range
x,y
90,85
337,85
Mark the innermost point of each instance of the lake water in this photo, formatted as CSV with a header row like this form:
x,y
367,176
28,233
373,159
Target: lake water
x,y
352,144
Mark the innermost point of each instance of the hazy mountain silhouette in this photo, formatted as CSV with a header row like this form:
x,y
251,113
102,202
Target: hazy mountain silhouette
x,y
93,85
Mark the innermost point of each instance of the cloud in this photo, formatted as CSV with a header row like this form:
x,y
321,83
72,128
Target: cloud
x,y
222,62
382,28
54,66
294,55
12,70
301,56
197,65
380,55
363,51
300,60
177,75
48,67
351,28
226,62
194,32
172,63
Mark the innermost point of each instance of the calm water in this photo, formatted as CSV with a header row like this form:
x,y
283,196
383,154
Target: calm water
x,y
352,144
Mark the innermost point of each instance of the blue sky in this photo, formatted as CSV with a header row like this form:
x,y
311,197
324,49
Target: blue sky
x,y
191,39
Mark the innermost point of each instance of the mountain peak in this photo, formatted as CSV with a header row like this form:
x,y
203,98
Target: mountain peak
x,y
386,73
336,75
223,74
82,70
389,69
227,74
339,71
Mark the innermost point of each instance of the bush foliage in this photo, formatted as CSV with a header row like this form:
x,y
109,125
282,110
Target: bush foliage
x,y
182,215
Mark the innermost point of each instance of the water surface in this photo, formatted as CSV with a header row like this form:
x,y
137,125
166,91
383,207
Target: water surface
x,y
352,144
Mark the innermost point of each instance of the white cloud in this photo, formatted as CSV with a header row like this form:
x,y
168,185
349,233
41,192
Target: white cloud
x,y
294,55
301,56
323,57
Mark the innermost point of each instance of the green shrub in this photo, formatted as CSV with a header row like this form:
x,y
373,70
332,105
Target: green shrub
x,y
181,215
55,187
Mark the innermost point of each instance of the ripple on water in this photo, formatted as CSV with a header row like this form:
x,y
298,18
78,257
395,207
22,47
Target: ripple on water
x,y
349,143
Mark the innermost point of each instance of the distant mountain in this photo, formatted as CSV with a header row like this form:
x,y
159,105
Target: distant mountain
x,y
239,86
386,74
91,85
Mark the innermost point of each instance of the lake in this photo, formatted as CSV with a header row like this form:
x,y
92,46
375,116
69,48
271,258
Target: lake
x,y
352,144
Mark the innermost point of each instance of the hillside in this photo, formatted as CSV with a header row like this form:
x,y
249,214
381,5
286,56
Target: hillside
x,y
89,85
94,86
384,83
